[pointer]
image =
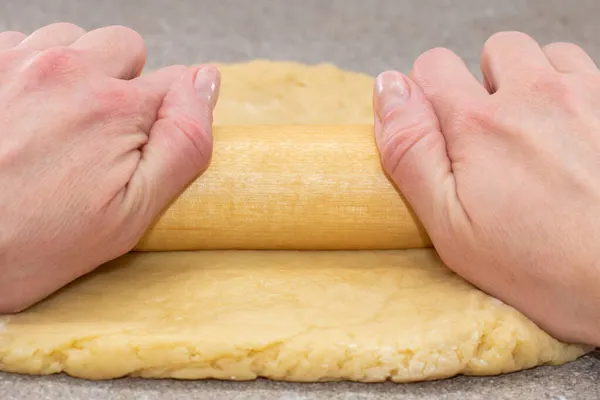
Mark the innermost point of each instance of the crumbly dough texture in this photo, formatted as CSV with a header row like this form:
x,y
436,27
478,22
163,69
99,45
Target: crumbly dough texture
x,y
286,93
289,315
303,316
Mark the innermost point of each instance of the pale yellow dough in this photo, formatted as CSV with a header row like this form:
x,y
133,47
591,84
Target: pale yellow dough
x,y
286,93
305,316
288,315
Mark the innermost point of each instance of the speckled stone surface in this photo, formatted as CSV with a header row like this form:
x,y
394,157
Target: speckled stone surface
x,y
578,380
361,35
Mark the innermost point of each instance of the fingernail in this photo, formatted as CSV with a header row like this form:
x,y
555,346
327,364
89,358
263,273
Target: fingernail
x,y
391,92
207,84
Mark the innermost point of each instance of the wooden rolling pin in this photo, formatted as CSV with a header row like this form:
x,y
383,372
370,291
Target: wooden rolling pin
x,y
292,188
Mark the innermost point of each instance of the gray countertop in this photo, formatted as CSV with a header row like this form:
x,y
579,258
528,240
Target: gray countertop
x,y
577,380
361,35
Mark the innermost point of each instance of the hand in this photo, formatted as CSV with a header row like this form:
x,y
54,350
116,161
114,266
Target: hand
x,y
505,176
90,152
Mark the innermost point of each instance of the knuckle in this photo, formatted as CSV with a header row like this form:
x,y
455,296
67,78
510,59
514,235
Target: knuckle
x,y
435,54
12,36
13,61
67,27
430,58
179,67
125,41
52,66
4,34
502,43
122,30
562,48
177,70
503,39
125,34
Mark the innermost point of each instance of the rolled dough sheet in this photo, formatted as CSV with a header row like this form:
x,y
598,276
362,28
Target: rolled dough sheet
x,y
302,316
264,92
291,315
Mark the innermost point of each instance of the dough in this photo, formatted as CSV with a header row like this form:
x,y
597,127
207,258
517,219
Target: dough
x,y
366,315
304,316
286,93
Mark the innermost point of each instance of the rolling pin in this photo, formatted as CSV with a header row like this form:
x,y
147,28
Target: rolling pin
x,y
289,188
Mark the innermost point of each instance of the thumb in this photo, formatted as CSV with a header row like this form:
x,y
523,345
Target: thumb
x,y
179,145
413,149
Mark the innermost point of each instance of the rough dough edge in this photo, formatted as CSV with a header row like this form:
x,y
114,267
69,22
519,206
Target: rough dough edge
x,y
253,362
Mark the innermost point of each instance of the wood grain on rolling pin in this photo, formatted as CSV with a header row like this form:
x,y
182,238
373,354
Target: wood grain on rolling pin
x,y
289,187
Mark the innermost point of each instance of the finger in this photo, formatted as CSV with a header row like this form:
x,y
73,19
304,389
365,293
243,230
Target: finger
x,y
447,83
180,141
53,35
510,58
413,149
569,58
155,85
117,51
10,39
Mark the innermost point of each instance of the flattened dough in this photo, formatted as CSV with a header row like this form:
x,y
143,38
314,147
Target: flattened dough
x,y
304,316
286,93
288,315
